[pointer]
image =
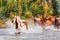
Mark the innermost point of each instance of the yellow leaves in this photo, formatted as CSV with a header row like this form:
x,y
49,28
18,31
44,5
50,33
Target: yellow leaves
x,y
0,0
46,7
8,1
28,1
48,10
33,4
28,14
19,1
12,14
39,1
51,12
46,14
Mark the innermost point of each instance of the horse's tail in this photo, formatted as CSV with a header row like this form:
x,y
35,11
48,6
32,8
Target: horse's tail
x,y
25,23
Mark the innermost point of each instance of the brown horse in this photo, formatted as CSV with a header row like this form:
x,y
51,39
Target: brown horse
x,y
58,22
36,20
50,20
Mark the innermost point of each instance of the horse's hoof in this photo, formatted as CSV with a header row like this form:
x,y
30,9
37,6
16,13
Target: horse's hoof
x,y
18,32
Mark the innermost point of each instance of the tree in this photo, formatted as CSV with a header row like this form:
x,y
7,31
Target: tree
x,y
54,5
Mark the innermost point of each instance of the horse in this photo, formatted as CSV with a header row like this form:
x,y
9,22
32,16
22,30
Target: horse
x,y
44,20
41,20
47,21
19,23
58,21
37,20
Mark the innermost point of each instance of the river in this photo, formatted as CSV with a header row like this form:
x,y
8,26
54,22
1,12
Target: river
x,y
34,33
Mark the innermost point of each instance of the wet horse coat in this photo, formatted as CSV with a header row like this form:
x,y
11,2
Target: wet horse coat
x,y
19,23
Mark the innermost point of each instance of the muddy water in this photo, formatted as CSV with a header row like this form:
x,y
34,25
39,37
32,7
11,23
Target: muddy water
x,y
35,32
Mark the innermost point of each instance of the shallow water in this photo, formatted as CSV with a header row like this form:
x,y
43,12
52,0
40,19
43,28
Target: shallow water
x,y
35,32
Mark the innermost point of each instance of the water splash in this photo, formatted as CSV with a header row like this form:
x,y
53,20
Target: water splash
x,y
32,28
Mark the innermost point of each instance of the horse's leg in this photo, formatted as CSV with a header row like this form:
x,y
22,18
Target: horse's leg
x,y
26,25
20,25
18,31
16,25
35,21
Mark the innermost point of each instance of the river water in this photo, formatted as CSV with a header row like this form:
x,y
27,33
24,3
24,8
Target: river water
x,y
35,32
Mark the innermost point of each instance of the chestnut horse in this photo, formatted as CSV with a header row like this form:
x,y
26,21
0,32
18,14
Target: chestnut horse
x,y
50,20
44,20
37,20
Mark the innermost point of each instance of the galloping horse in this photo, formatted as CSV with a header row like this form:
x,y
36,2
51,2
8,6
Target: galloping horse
x,y
19,23
58,21
37,20
48,21
44,20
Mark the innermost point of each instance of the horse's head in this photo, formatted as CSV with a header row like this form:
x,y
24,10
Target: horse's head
x,y
16,19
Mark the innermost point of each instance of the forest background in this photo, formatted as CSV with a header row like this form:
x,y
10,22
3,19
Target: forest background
x,y
28,8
